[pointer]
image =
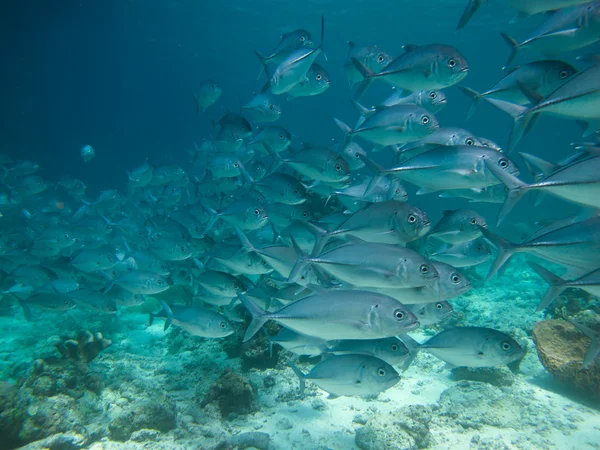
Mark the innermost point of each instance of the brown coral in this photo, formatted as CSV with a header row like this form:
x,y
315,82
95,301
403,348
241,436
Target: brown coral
x,y
233,394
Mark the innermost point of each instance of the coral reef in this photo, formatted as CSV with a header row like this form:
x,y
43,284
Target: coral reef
x,y
561,348
11,415
233,394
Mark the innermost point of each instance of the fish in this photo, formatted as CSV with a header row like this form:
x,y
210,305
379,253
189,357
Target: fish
x,y
94,260
370,265
387,222
458,226
293,68
48,302
316,163
208,94
442,136
578,182
432,313
566,30
338,314
87,152
488,194
589,282
392,125
525,9
542,77
282,188
140,282
371,56
465,254
420,68
195,320
292,40
450,284
446,168
358,196
350,375
572,243
432,101
275,137
298,344
221,284
315,82
594,348
391,350
472,347
262,108
245,213
95,301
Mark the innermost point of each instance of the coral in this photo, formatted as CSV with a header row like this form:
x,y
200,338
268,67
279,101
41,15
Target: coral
x,y
153,411
85,348
561,348
233,394
11,415
374,437
254,439
60,441
497,376
256,352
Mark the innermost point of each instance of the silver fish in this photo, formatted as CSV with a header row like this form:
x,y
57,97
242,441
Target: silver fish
x,y
420,68
371,56
342,375
262,108
195,320
337,314
208,94
432,313
315,82
465,254
433,101
473,347
391,350
458,226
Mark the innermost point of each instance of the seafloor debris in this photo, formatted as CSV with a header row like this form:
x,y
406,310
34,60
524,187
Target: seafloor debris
x,y
85,348
233,394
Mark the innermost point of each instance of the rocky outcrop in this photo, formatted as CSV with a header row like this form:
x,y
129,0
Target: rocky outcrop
x,y
561,348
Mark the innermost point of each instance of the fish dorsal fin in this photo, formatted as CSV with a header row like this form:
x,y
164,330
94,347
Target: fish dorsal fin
x,y
351,44
409,48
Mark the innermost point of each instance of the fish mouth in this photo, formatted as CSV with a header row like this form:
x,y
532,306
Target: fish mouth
x,y
465,69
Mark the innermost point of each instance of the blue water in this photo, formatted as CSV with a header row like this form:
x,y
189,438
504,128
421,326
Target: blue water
x,y
120,76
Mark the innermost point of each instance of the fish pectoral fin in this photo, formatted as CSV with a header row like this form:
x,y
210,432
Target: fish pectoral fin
x,y
564,33
427,73
332,396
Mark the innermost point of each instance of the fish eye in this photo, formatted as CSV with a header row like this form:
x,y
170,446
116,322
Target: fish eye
x,y
424,268
235,164
66,302
439,306
470,141
480,248
473,221
412,218
183,249
302,38
66,236
455,278
338,167
213,85
564,74
296,191
432,95
424,120
380,58
159,282
271,107
257,212
223,325
394,347
451,62
281,136
503,163
319,76
304,214
506,346
399,314
381,372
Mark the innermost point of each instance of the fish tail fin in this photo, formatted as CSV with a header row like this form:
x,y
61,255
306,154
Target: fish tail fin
x,y
474,96
514,47
521,126
301,377
322,44
244,239
413,350
26,310
594,347
368,77
505,250
277,161
470,10
299,268
556,285
347,133
169,314
197,104
362,110
257,314
214,215
322,236
516,189
375,168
